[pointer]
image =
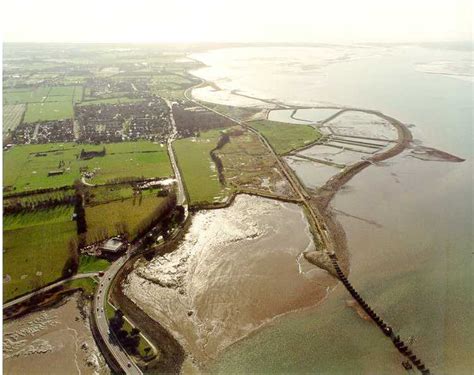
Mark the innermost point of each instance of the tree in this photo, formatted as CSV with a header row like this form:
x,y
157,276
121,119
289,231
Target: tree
x,y
135,332
180,213
117,321
73,248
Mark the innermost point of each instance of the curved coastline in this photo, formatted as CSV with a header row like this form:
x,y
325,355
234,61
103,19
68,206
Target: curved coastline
x,y
323,224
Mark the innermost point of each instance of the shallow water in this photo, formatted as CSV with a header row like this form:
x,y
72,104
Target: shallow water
x,y
236,270
313,175
333,154
315,114
408,223
302,116
362,124
284,115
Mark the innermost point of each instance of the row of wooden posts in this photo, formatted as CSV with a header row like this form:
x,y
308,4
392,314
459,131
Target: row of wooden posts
x,y
386,329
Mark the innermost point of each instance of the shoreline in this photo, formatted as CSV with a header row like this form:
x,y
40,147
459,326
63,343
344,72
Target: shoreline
x,y
321,218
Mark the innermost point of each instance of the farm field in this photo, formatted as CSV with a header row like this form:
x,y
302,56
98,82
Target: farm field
x,y
103,194
198,170
132,213
108,193
46,103
58,110
12,115
170,86
18,96
35,199
25,171
35,249
141,159
286,137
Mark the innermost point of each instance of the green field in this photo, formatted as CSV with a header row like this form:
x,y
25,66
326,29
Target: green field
x,y
54,215
198,169
92,264
33,199
12,114
103,219
46,103
41,94
286,137
170,86
108,193
87,285
25,95
35,249
141,159
48,111
23,170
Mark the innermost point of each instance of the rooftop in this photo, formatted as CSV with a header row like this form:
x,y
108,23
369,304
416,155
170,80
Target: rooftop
x,y
113,244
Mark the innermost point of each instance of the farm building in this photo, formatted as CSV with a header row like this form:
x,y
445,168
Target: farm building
x,y
113,245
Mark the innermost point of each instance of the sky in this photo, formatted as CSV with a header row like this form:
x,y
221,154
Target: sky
x,y
297,21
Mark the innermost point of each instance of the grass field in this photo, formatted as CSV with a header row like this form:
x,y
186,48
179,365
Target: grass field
x,y
46,103
12,114
54,215
132,212
35,249
170,86
92,264
131,160
25,95
87,285
23,170
198,169
108,193
286,137
32,199
48,111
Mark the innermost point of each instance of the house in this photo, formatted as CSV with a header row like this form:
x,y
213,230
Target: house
x,y
113,245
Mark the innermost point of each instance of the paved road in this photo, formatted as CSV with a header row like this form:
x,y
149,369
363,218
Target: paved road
x,y
181,194
49,287
101,295
100,301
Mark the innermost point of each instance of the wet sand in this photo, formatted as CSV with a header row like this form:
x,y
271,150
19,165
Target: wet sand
x,y
236,270
53,341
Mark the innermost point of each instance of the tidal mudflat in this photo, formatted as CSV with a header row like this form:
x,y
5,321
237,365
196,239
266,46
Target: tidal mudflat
x,y
57,340
408,224
236,269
